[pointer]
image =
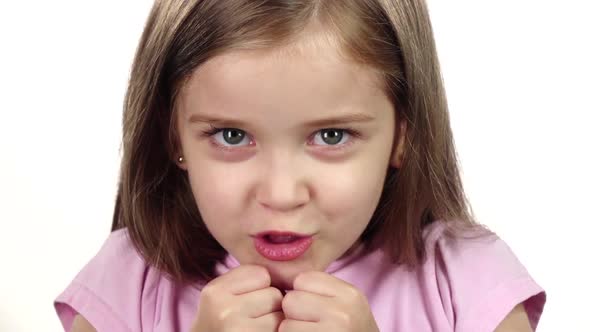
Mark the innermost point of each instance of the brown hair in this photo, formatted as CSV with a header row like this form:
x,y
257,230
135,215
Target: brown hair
x,y
154,199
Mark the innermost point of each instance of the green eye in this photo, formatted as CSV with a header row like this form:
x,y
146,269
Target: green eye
x,y
331,136
233,136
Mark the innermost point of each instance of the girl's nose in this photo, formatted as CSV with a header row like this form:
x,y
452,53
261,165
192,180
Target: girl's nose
x,y
282,187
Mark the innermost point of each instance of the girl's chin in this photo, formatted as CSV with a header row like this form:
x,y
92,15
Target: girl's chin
x,y
282,280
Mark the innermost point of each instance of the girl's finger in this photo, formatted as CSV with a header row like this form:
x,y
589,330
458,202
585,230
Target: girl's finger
x,y
322,283
305,306
289,325
261,302
243,279
269,322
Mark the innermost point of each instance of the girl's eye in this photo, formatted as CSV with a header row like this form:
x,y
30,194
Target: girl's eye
x,y
233,137
228,136
331,136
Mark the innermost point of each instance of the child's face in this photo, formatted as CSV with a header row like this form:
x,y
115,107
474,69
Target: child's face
x,y
275,170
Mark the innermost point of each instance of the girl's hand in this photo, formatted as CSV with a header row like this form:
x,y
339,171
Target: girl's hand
x,y
321,302
239,300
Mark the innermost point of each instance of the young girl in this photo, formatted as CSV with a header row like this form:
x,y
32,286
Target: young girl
x,y
289,166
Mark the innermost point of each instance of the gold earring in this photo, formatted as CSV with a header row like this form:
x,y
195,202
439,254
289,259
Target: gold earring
x,y
180,159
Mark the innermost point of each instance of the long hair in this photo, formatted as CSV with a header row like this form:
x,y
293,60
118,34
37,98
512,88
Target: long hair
x,y
154,199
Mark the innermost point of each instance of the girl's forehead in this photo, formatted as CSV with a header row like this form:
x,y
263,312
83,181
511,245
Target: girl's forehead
x,y
317,45
308,77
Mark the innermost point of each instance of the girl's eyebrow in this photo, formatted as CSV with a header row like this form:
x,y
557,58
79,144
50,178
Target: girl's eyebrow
x,y
323,122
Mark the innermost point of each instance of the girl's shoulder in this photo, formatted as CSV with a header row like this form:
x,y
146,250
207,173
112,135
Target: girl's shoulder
x,y
469,280
113,290
478,276
461,252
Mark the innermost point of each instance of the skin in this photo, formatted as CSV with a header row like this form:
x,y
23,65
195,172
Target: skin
x,y
284,176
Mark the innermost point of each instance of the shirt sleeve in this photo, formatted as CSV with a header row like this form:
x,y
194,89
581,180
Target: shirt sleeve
x,y
111,291
484,281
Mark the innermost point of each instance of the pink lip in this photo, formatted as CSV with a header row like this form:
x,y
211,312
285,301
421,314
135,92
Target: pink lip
x,y
282,251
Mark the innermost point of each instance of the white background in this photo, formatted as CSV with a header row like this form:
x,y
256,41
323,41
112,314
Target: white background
x,y
517,77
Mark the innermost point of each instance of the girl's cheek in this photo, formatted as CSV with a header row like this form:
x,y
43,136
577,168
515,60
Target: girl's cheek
x,y
209,187
343,194
236,155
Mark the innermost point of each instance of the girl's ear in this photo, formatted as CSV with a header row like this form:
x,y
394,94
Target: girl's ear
x,y
181,162
399,148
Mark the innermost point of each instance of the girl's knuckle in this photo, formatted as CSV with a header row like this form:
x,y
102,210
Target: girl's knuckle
x,y
344,319
287,299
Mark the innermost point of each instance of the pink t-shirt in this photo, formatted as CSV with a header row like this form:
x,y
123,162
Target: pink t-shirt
x,y
465,285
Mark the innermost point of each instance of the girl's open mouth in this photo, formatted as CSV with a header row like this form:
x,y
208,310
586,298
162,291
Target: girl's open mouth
x,y
281,246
